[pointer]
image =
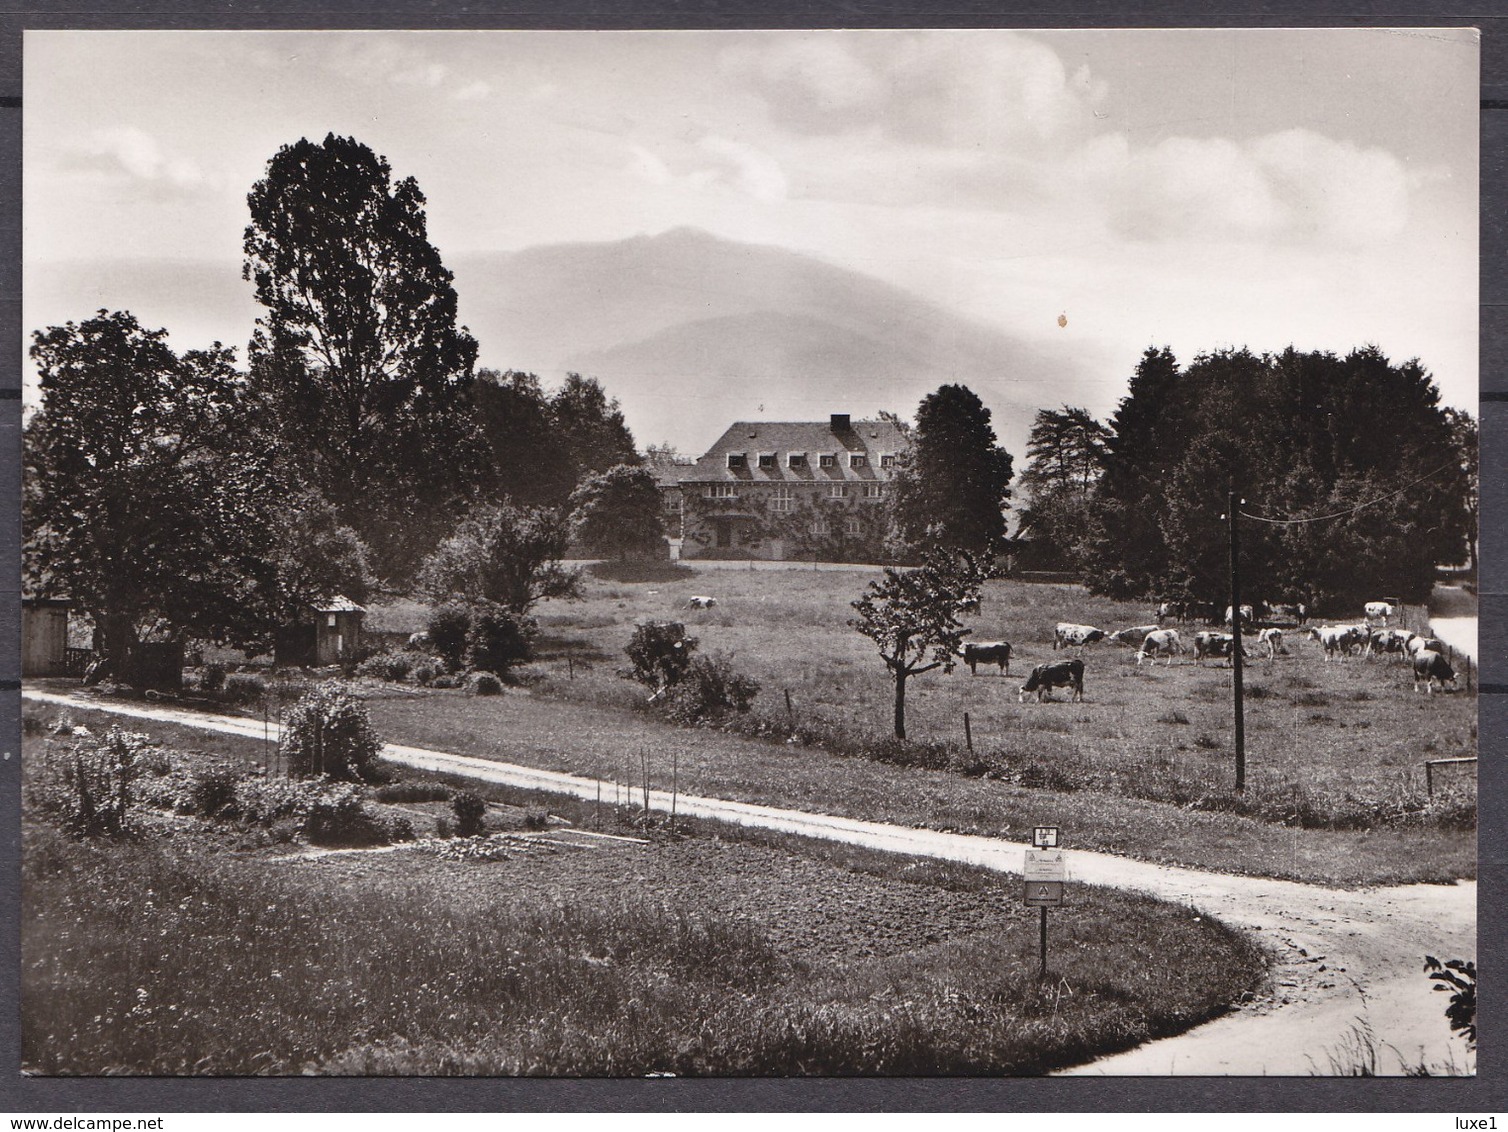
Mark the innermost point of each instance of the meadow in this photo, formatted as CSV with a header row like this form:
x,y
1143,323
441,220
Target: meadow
x,y
1335,792
190,947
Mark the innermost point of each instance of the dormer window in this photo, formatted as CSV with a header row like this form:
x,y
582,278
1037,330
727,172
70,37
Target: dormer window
x,y
767,459
828,460
737,460
855,460
887,460
796,460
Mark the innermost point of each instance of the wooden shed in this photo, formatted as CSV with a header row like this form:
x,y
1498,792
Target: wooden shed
x,y
326,632
44,636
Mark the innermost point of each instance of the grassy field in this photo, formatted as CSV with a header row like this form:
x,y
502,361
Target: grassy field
x,y
1335,781
191,948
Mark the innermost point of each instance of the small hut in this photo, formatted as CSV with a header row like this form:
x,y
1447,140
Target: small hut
x,y
44,636
326,632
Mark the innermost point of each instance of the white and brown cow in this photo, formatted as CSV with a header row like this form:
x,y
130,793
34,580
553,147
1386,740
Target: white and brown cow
x,y
1272,640
1066,634
1134,635
1378,611
997,653
1054,674
1160,642
1247,615
1340,640
1221,646
700,601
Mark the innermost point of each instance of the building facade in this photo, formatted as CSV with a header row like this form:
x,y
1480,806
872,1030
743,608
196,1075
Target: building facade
x,y
805,491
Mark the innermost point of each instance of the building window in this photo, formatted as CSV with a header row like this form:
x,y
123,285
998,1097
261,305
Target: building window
x,y
873,491
887,460
837,491
829,461
784,499
672,503
819,526
723,491
796,460
767,459
737,460
853,526
857,461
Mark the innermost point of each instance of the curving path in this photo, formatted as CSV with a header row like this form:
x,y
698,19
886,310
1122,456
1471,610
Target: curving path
x,y
1345,958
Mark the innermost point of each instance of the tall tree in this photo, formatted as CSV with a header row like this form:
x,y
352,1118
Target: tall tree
x,y
619,512
589,427
501,555
912,616
527,462
955,480
1464,439
357,355
146,501
1066,456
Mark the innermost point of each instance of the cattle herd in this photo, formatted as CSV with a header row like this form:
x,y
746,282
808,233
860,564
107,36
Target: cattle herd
x,y
1370,637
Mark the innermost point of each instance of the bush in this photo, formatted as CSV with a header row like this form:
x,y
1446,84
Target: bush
x,y
498,639
660,652
447,682
86,788
469,811
424,674
711,689
536,817
414,792
485,684
338,817
212,678
275,802
245,688
394,665
448,627
329,732
212,792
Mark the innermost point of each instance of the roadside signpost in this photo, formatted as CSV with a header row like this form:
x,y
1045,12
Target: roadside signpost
x,y
1044,874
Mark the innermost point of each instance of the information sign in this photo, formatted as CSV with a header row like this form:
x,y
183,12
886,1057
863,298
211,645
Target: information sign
x,y
1045,836
1044,864
1044,893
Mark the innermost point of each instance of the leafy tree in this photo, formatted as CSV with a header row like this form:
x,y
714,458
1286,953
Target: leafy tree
x,y
504,555
953,483
528,463
358,360
912,616
316,556
619,512
146,503
589,427
1066,454
1463,432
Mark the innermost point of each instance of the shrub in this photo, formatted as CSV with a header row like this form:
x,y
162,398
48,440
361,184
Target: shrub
x,y
485,684
424,674
212,791
86,788
329,732
1458,976
212,678
413,792
711,689
469,811
660,652
498,639
448,627
394,665
536,817
244,687
275,802
338,817
447,682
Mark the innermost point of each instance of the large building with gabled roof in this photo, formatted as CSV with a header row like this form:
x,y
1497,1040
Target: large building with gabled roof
x,y
786,490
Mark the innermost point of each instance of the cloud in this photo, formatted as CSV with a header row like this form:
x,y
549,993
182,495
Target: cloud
x,y
1291,185
717,162
132,155
968,90
473,92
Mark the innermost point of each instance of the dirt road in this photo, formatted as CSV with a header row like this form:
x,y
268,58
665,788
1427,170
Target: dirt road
x,y
1348,961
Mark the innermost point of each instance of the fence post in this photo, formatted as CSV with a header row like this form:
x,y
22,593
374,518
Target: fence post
x,y
790,712
1429,778
968,733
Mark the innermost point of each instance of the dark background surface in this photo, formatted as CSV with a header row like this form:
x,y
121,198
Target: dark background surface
x,y
1487,1092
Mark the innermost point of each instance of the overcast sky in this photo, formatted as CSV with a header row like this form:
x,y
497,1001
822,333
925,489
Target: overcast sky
x,y
1190,188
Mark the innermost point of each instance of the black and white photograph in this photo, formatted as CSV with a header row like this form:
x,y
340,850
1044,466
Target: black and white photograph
x,y
750,553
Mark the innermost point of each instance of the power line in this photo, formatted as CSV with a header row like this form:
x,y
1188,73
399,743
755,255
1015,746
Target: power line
x,y
1350,510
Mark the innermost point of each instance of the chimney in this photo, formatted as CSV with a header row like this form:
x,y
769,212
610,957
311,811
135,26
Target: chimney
x,y
840,422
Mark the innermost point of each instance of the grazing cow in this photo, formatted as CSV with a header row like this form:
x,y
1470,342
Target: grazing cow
x,y
1417,644
1340,640
997,653
1379,611
1431,668
1389,640
701,601
1247,616
1217,645
1066,634
1160,642
1054,674
1297,612
1177,610
419,640
1134,635
1272,640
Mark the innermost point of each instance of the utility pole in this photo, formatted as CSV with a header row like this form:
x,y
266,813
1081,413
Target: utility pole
x,y
1235,625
